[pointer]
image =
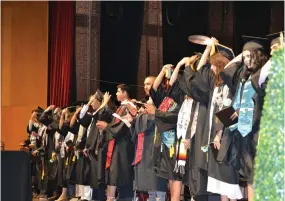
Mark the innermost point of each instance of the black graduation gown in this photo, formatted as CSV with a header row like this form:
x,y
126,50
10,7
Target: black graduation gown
x,y
120,172
164,121
61,161
245,147
144,123
70,164
93,166
82,160
197,179
50,169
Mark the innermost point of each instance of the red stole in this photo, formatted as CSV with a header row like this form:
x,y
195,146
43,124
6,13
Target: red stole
x,y
112,142
139,149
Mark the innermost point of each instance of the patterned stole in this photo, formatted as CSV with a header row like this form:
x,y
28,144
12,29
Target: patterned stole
x,y
168,137
111,143
245,104
182,127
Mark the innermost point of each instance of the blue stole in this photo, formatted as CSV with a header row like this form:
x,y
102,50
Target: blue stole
x,y
245,104
168,137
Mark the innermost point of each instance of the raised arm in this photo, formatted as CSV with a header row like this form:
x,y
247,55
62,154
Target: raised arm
x,y
206,53
74,117
160,76
62,118
176,70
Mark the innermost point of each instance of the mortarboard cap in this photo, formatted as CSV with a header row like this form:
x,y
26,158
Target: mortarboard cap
x,y
99,95
275,38
255,43
225,51
40,109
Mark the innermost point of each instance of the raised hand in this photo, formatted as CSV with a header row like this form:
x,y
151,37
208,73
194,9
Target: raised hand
x,y
167,66
64,111
190,60
150,109
92,98
183,61
106,99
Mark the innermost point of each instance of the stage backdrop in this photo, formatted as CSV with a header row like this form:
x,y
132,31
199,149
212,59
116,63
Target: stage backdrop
x,y
24,52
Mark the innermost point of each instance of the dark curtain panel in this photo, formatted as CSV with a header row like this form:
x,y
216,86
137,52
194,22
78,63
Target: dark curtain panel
x,y
250,18
16,176
61,52
179,20
120,38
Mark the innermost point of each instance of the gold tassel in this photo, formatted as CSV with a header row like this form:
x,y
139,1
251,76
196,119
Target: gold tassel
x,y
155,133
171,151
53,156
43,174
213,49
73,158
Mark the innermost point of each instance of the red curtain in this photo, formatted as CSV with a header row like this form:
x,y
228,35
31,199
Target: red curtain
x,y
61,51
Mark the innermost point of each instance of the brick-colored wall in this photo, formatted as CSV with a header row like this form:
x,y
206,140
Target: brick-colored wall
x,y
221,27
86,79
151,50
151,55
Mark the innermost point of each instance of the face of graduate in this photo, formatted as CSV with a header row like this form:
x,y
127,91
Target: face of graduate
x,y
95,104
248,60
148,82
121,95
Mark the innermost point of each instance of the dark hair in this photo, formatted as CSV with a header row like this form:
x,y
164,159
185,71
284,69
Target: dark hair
x,y
259,58
220,62
124,88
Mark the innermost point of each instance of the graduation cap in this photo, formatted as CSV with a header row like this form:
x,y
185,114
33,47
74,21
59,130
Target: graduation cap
x,y
40,109
225,51
255,43
99,95
275,38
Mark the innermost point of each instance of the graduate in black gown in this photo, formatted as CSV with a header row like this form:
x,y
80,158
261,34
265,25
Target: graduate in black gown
x,y
60,135
86,149
248,102
120,153
143,130
70,155
197,174
222,176
188,124
167,98
50,119
93,150
33,143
